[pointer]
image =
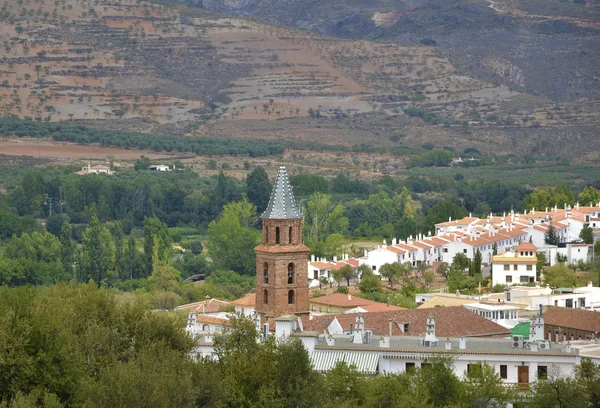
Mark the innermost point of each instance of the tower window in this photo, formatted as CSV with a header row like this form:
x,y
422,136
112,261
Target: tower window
x,y
266,272
290,236
266,295
277,236
291,270
291,297
266,238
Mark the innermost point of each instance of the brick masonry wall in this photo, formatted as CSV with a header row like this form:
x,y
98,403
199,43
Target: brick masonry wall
x,y
277,258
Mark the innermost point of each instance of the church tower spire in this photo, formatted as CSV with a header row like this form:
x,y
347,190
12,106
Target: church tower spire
x,y
282,258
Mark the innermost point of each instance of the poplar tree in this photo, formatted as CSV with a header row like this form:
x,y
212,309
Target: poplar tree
x,y
98,258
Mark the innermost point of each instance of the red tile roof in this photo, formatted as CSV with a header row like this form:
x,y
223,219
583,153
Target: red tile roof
x,y
454,321
321,265
248,300
526,246
380,307
211,320
573,318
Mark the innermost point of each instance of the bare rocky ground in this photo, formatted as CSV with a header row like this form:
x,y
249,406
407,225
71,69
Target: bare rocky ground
x,y
491,75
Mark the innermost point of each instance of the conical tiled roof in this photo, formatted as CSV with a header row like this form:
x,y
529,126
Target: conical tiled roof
x,y
282,204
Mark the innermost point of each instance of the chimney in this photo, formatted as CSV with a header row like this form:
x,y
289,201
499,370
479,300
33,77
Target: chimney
x,y
430,340
568,348
390,327
384,342
533,346
312,258
448,345
394,241
462,343
335,259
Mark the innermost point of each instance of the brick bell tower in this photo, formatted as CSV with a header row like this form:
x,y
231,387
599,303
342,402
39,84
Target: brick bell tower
x,y
281,258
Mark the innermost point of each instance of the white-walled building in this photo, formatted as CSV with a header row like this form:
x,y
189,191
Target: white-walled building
x,y
518,266
587,297
245,305
504,233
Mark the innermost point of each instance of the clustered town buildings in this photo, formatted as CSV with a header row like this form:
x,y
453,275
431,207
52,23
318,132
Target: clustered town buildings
x,y
378,338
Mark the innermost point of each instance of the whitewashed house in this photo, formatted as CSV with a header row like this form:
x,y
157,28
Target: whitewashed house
x,y
518,266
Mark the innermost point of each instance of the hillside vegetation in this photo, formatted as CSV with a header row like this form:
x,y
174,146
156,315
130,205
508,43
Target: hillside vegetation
x,y
398,77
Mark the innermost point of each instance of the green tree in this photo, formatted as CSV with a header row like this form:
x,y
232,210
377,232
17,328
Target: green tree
x,y
540,265
364,270
460,261
550,237
164,276
230,241
11,224
348,273
369,284
442,385
258,188
323,218
587,375
143,163
344,386
397,390
67,248
393,272
443,269
560,276
482,385
98,256
557,391
545,197
441,212
589,195
224,192
587,234
132,259
155,232
118,238
38,247
477,260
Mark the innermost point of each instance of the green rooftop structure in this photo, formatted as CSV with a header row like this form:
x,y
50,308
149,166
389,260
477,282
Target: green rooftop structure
x,y
521,329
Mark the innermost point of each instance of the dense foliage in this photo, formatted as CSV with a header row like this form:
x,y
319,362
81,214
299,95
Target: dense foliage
x,y
82,346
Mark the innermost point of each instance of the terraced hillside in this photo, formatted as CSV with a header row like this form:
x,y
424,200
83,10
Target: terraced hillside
x,y
156,68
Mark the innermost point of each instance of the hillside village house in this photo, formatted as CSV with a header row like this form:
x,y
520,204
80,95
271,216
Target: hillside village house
x,y
504,233
245,305
99,169
321,269
518,266
587,297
